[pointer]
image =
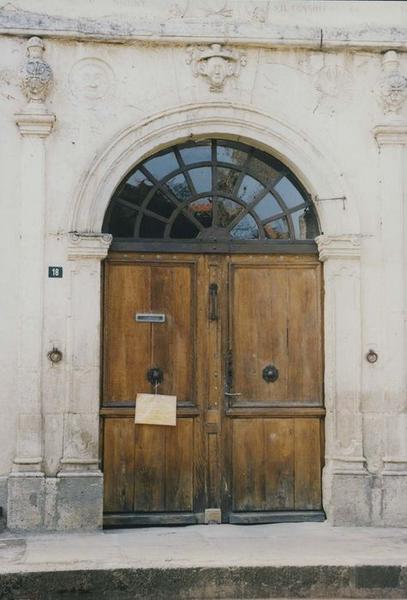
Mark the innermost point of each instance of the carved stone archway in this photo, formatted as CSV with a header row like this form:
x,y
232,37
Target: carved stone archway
x,y
339,248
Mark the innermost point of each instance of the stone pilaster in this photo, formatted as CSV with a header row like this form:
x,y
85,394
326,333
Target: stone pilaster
x,y
80,486
344,472
35,122
391,138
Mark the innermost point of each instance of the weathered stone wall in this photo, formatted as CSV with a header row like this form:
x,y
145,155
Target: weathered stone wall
x,y
312,82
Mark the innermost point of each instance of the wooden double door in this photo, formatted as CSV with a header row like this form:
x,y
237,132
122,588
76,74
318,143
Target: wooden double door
x,y
240,346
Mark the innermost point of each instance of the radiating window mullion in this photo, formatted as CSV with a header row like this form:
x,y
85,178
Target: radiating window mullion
x,y
243,172
161,187
185,171
191,218
214,185
236,189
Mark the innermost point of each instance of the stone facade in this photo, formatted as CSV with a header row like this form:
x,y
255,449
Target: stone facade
x,y
83,98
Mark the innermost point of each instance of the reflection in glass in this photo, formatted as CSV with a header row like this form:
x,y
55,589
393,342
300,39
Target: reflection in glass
x,y
277,230
289,193
249,189
230,155
195,154
162,165
227,211
161,205
151,228
267,207
177,196
305,224
246,229
179,186
183,228
136,188
202,210
262,171
202,179
226,179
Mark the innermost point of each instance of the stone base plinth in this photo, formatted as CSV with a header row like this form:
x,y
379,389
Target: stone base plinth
x,y
394,503
68,502
367,499
351,500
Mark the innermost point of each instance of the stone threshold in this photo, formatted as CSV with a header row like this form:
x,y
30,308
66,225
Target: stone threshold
x,y
285,560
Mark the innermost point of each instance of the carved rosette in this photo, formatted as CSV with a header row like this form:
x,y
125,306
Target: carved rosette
x,y
393,86
215,63
36,74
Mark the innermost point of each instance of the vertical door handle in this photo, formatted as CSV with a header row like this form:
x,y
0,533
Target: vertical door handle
x,y
213,302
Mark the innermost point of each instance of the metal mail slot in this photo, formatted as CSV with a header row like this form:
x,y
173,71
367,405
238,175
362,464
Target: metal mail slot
x,y
150,318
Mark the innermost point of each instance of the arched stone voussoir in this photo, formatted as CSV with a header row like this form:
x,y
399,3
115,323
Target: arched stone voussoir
x,y
311,164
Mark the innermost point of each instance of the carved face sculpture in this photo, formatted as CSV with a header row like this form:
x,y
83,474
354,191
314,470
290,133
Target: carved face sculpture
x,y
217,69
90,79
36,79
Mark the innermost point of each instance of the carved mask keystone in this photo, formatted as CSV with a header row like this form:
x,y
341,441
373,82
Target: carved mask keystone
x,y
215,63
36,74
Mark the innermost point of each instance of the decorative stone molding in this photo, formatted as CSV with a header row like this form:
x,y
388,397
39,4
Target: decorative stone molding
x,y
216,63
390,134
35,124
36,76
393,86
338,246
88,245
394,466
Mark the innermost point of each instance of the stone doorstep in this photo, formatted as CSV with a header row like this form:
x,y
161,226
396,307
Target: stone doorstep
x,y
204,583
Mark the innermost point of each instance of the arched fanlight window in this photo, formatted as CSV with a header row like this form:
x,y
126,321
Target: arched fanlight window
x,y
215,191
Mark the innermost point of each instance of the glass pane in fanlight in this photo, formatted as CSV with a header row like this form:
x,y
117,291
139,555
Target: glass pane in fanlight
x,y
202,210
195,154
161,205
226,179
202,179
277,230
151,228
305,224
160,166
230,155
183,228
267,207
227,211
262,171
246,229
122,221
136,188
249,189
289,193
179,186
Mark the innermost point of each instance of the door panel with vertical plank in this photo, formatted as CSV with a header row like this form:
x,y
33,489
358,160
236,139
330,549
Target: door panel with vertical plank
x,y
151,469
273,427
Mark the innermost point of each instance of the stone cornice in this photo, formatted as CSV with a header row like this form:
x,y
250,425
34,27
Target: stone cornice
x,y
88,245
391,134
170,24
35,124
338,246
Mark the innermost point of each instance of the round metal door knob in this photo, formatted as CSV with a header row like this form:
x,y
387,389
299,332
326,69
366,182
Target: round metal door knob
x,y
270,374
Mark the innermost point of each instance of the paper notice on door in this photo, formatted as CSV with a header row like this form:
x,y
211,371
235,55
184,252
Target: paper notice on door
x,y
156,409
